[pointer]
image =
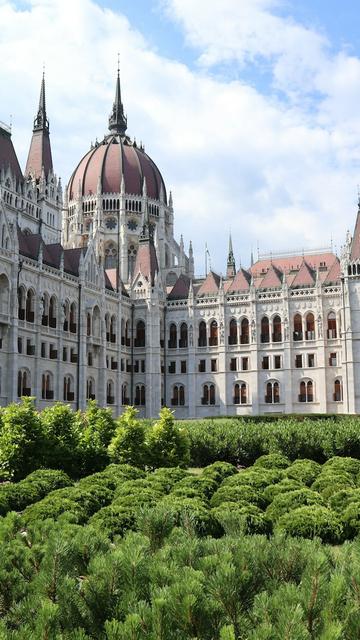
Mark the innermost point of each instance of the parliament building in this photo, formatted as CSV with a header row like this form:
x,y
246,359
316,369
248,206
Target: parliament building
x,y
98,300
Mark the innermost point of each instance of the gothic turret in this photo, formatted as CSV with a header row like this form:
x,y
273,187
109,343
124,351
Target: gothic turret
x,y
230,267
40,158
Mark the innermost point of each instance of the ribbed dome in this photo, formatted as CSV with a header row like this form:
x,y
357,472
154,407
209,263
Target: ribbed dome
x,y
116,156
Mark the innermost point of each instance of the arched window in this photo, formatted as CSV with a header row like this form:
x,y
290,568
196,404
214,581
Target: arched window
x,y
69,394
213,338
140,395
233,331
140,334
107,327
88,324
30,305
272,393
124,395
298,330
113,330
202,334
306,391
96,326
338,391
52,312
111,256
4,294
47,391
23,386
276,335
240,393
127,333
265,333
244,338
331,325
73,326
178,395
183,342
172,343
181,395
21,302
310,327
90,389
208,396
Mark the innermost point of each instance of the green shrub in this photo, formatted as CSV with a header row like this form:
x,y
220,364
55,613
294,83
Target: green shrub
x,y
339,465
241,519
61,426
218,471
350,518
53,506
192,513
340,500
242,493
204,486
98,430
304,471
128,444
114,520
310,521
255,477
328,481
22,440
291,500
17,496
168,444
284,486
272,461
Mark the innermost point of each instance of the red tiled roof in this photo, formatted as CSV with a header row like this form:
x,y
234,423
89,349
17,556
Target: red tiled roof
x,y
29,245
39,155
8,156
304,277
241,282
292,263
146,261
180,288
72,260
334,273
114,158
272,279
52,255
210,285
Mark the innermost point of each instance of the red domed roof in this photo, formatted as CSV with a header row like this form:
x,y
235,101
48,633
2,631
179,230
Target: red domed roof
x,y
116,156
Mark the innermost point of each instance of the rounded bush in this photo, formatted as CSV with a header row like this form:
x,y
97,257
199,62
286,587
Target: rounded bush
x,y
241,519
340,500
272,461
53,507
243,493
255,477
304,471
291,500
218,471
325,482
284,486
350,518
310,521
203,485
191,513
114,520
341,465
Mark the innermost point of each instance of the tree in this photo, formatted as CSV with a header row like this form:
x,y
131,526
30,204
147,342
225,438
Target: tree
x,y
168,444
62,431
21,440
128,444
98,428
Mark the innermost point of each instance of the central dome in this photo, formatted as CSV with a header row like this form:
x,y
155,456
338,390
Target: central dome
x,y
111,160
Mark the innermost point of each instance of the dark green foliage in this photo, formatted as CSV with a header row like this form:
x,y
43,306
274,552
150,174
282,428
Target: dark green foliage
x,y
16,496
312,520
304,471
97,430
62,428
167,443
202,486
284,486
255,477
240,519
238,494
218,471
272,461
128,444
287,502
22,441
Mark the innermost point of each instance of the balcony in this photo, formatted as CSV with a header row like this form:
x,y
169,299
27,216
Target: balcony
x,y
297,336
309,335
72,327
21,314
110,400
53,354
52,323
112,338
45,321
139,344
30,316
232,340
244,339
66,326
183,344
202,342
264,337
114,366
213,342
331,334
30,350
74,358
171,344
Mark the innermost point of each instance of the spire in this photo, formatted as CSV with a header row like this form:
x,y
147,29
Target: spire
x,y
231,266
147,233
117,119
40,159
41,123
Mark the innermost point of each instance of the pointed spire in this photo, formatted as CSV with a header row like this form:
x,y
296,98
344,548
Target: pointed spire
x,y
40,159
117,119
41,122
146,234
231,266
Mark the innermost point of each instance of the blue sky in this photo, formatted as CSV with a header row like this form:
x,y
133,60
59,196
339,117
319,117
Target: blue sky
x,y
249,107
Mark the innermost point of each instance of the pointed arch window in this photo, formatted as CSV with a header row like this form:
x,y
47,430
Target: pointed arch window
x,y
244,337
331,326
233,338
47,391
310,327
276,334
208,396
69,395
23,386
30,306
272,393
183,342
172,343
240,393
338,390
140,395
124,395
214,334
265,332
306,391
298,329
140,334
202,334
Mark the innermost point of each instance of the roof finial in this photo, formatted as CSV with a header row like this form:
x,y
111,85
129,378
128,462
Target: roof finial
x,y
117,119
41,122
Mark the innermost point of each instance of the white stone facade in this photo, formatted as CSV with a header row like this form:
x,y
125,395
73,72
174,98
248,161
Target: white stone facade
x,y
74,325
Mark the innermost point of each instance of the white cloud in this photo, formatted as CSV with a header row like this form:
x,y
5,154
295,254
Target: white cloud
x,y
281,173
